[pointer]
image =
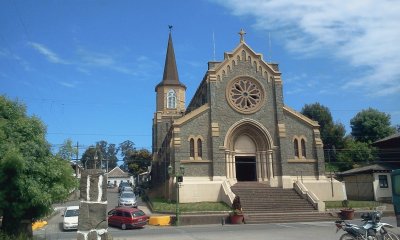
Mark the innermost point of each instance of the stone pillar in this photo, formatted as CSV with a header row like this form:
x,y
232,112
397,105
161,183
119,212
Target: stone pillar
x,y
233,166
227,163
264,165
92,223
271,171
259,167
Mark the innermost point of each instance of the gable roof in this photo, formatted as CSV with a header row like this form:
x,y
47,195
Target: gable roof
x,y
391,137
380,167
118,173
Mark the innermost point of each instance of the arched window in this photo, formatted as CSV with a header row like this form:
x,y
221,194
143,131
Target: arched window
x,y
303,148
199,148
191,147
171,99
296,148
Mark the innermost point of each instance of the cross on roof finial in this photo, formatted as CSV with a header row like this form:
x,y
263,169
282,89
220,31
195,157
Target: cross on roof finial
x,y
170,28
242,33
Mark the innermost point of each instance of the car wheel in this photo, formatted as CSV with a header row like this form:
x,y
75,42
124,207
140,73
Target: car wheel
x,y
123,226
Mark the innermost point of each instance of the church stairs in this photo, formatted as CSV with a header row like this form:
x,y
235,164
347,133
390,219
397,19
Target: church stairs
x,y
264,204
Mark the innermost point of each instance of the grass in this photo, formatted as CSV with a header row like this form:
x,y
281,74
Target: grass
x,y
162,205
353,204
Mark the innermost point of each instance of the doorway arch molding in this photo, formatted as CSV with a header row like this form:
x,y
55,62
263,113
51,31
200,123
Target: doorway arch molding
x,y
250,127
264,146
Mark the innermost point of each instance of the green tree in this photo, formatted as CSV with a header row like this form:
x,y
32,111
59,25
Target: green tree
x,y
139,161
109,153
92,157
371,125
355,154
127,149
332,134
31,177
67,151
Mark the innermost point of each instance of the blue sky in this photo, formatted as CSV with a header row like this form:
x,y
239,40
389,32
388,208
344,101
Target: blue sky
x,y
88,68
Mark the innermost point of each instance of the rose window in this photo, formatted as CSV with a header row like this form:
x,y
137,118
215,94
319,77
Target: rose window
x,y
245,95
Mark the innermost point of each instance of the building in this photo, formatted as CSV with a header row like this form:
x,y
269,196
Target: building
x,y
235,128
369,183
389,149
116,176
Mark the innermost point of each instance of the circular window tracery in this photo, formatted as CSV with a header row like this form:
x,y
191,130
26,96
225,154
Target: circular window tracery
x,y
245,95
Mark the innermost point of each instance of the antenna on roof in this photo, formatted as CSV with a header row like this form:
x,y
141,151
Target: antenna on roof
x,y
213,47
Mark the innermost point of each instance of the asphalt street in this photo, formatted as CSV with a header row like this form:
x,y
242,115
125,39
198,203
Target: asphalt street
x,y
281,231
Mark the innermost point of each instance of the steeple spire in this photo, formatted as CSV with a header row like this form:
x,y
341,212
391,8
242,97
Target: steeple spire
x,y
170,76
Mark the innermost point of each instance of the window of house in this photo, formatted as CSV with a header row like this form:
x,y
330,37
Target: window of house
x,y
199,148
171,99
296,148
383,182
303,148
191,147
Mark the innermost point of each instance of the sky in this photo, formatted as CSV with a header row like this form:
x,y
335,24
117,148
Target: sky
x,y
88,69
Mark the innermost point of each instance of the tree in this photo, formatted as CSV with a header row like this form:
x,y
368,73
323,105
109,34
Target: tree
x,y
109,153
67,151
127,149
355,154
139,161
332,134
371,125
91,158
31,177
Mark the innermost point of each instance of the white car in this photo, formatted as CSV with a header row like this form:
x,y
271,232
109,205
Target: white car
x,y
70,215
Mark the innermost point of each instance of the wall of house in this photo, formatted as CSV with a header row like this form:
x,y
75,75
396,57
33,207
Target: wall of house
x,y
117,181
359,187
382,194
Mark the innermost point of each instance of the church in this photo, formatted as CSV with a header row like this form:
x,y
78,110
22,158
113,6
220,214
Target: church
x,y
236,128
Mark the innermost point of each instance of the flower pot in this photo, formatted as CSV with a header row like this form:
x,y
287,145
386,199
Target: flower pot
x,y
237,219
347,214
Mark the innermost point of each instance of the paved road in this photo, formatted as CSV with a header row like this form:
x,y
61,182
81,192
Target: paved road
x,y
298,231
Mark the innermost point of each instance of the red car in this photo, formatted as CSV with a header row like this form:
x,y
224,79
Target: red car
x,y
127,218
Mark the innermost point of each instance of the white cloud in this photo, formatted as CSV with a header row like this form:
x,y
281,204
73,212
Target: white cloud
x,y
140,66
364,33
45,51
68,84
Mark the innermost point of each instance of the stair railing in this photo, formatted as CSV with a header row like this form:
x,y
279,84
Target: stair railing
x,y
229,195
310,196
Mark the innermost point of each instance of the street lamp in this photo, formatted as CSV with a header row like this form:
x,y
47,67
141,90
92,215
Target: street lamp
x,y
179,178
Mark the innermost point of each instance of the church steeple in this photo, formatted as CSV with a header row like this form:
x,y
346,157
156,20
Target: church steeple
x,y
170,91
170,76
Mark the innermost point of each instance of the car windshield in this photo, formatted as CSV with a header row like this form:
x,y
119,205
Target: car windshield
x,y
72,213
127,195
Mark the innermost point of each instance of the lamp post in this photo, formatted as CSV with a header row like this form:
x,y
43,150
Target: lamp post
x,y
179,178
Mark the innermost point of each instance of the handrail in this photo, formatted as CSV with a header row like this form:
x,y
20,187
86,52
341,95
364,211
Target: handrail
x,y
228,192
311,197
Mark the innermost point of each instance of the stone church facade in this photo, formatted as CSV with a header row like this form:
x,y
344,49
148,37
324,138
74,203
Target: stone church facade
x,y
235,128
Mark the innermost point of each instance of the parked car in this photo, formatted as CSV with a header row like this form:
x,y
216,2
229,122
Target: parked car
x,y
127,199
70,220
110,185
127,218
126,189
123,184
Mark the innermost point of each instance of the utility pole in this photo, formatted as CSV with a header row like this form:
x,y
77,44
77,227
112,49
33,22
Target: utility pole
x,y
76,159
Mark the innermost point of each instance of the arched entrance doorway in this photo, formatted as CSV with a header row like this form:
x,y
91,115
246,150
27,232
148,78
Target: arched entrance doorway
x,y
248,153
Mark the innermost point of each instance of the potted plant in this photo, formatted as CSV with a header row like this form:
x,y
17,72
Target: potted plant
x,y
347,213
236,215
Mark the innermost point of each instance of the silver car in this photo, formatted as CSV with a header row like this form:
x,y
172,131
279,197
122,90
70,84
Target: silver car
x,y
127,199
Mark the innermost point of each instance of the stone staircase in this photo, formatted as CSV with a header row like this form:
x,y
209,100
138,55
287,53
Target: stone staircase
x,y
263,204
